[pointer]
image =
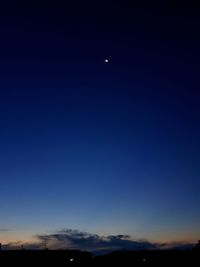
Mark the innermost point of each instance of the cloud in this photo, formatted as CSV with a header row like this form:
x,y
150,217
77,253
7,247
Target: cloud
x,y
97,244
74,239
4,230
177,245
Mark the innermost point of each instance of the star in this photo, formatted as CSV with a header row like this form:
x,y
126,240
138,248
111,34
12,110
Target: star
x,y
106,60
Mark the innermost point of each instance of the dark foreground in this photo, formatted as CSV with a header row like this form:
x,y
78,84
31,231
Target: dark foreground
x,y
117,258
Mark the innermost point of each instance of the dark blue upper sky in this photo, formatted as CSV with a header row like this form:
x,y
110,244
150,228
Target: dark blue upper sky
x,y
106,148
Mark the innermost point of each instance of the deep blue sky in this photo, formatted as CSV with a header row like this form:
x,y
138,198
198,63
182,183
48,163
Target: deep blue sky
x,y
105,148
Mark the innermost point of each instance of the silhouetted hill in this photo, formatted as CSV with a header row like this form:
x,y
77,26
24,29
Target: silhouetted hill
x,y
117,258
150,258
52,257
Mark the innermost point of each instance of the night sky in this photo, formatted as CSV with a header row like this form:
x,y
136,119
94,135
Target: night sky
x,y
103,147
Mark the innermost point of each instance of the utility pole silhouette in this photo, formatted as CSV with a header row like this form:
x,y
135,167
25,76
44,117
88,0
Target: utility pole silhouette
x,y
45,244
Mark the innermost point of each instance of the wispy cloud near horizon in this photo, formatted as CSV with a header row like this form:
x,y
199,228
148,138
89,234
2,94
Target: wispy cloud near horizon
x,y
75,239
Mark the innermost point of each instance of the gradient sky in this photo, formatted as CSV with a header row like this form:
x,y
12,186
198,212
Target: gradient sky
x,y
104,148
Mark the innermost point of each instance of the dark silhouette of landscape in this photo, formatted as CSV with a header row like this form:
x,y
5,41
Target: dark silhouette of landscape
x,y
116,258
